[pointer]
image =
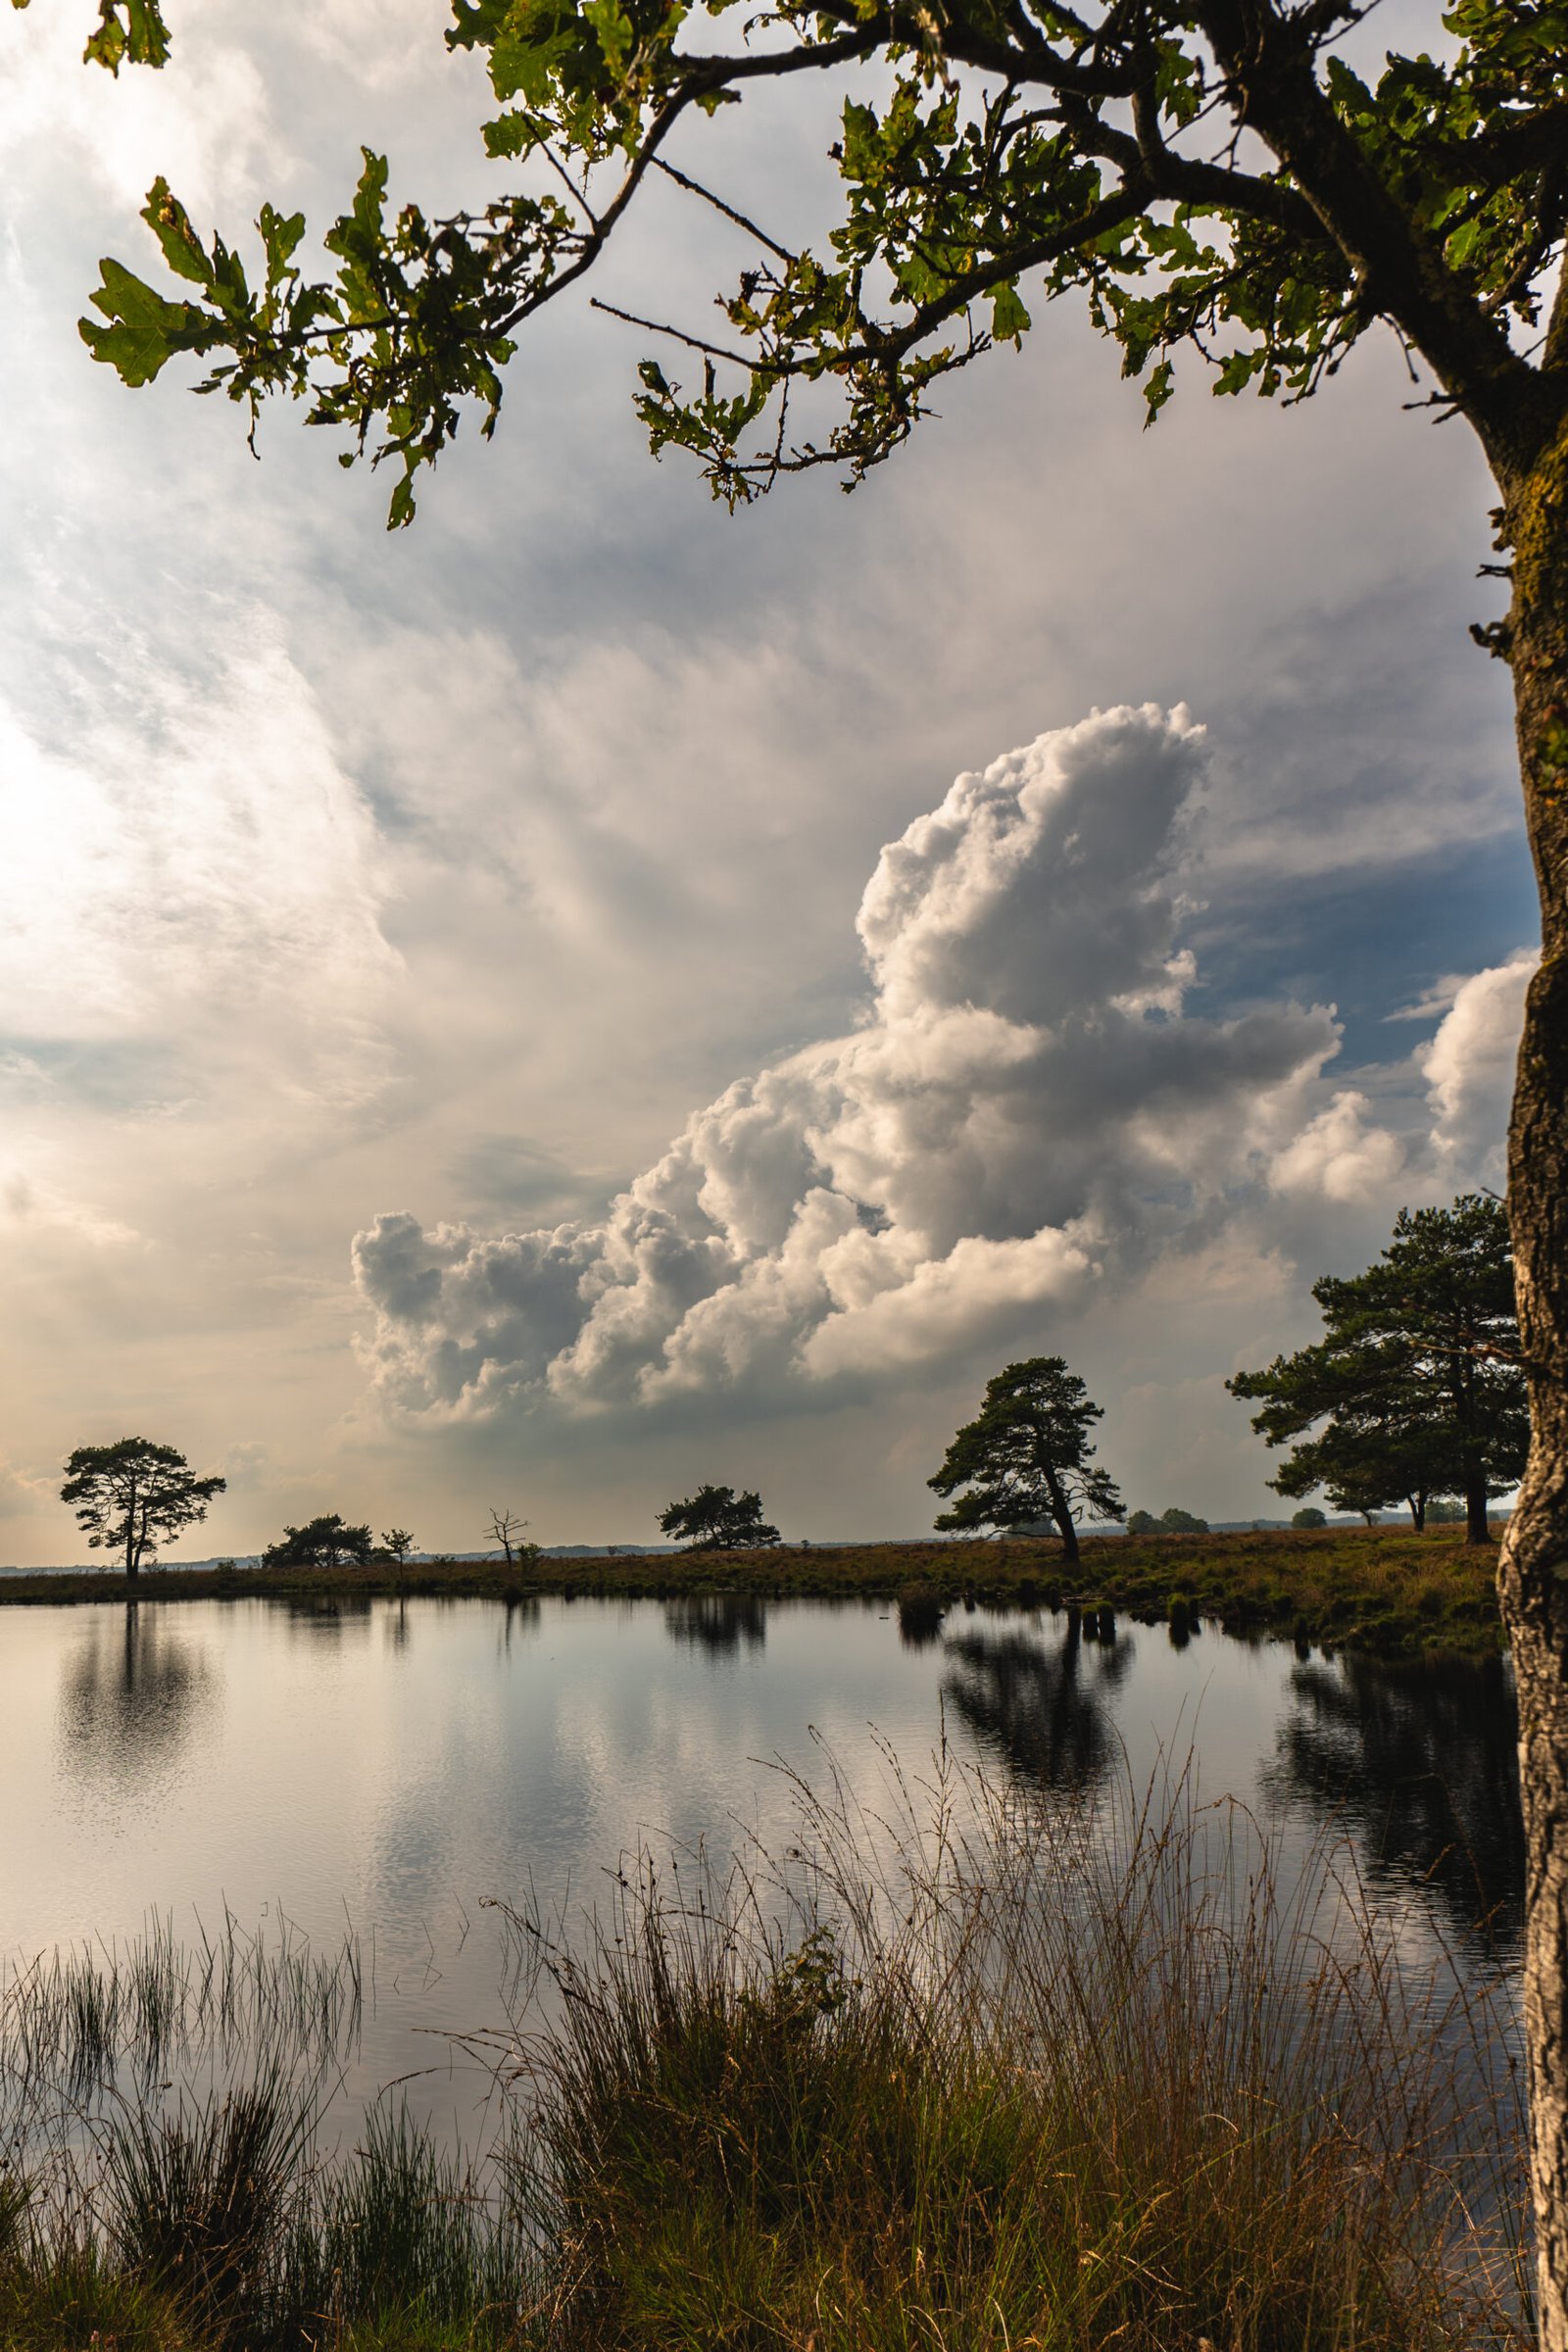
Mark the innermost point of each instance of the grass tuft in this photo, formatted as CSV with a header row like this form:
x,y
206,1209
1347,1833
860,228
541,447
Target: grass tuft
x,y
1009,2092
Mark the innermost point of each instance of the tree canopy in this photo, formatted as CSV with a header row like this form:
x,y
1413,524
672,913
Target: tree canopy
x,y
1417,1387
328,1542
134,1495
1027,1456
717,1519
1213,176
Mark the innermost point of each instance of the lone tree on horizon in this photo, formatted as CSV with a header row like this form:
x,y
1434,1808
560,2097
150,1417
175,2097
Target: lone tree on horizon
x,y
1417,1382
1026,1456
717,1519
134,1495
507,1527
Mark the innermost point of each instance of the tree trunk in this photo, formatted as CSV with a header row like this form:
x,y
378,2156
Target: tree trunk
x,y
1418,1512
1476,1530
1533,1572
1062,1512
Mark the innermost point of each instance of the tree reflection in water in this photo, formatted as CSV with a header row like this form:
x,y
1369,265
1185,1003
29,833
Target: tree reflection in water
x,y
1421,1761
1041,1710
521,1615
327,1617
717,1622
131,1692
920,1616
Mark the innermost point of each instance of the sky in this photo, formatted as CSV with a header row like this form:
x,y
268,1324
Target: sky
x,y
591,995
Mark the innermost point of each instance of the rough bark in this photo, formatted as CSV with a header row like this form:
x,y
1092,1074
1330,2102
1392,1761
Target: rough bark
x,y
1533,1572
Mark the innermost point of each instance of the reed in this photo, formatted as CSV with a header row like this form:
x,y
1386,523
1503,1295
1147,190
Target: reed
x,y
75,2021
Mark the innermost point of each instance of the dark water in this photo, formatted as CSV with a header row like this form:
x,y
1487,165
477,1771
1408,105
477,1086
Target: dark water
x,y
391,1766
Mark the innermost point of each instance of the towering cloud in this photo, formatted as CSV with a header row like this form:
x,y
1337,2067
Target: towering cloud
x,y
1026,1107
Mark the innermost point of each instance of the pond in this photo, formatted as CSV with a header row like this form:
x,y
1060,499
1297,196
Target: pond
x,y
384,1769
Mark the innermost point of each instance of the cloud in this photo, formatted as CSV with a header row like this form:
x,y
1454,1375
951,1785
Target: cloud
x,y
1025,1097
1341,1154
1469,1068
1345,1156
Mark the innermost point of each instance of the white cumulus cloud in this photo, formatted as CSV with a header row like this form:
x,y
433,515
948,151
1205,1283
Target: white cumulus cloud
x,y
1469,1068
1025,1097
1347,1157
1342,1153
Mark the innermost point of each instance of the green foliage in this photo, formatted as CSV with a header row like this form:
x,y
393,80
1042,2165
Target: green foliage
x,y
997,159
130,31
134,1495
717,1519
396,1544
1308,1516
1418,1383
1143,1523
326,1542
1027,1455
1182,1522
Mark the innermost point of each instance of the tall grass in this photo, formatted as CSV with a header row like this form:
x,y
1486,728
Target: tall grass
x,y
958,2073
1028,2079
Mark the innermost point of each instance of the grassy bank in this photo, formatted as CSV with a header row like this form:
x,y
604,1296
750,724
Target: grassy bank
x,y
1378,1589
977,2081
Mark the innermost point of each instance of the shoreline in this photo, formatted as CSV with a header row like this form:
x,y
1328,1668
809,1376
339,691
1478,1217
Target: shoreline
x,y
1384,1589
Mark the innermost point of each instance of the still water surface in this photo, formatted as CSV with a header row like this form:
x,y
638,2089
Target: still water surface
x,y
389,1766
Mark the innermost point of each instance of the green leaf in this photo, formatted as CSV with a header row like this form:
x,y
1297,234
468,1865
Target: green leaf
x,y
127,29
144,329
1008,319
281,237
400,513
614,29
1158,389
170,224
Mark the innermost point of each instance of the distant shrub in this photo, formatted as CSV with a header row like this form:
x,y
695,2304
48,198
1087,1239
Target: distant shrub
x,y
328,1541
1308,1516
1182,1522
1141,1523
